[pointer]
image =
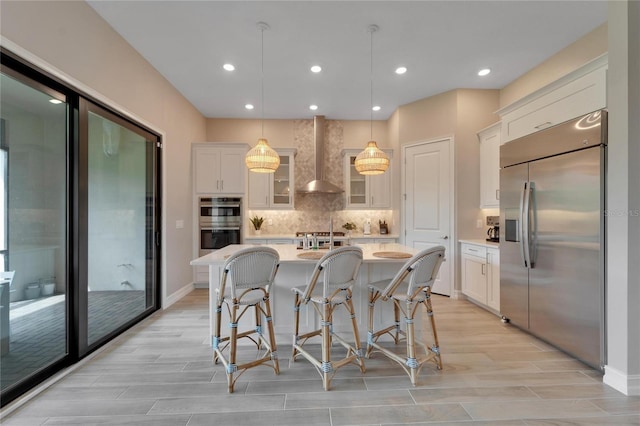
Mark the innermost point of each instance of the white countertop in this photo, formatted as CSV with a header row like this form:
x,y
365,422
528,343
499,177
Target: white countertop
x,y
289,253
479,242
335,237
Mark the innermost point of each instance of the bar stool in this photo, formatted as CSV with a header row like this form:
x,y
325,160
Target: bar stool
x,y
410,288
330,286
246,282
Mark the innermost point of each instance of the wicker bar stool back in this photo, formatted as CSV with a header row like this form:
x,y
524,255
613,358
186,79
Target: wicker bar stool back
x,y
246,283
330,286
410,288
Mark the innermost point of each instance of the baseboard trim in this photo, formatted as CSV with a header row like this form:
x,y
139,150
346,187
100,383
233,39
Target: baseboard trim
x,y
457,294
175,296
627,384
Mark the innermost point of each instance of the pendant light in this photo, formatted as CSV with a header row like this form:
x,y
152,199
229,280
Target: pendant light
x,y
372,161
262,158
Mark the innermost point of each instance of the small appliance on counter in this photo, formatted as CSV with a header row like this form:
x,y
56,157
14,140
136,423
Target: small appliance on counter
x,y
367,227
384,229
493,233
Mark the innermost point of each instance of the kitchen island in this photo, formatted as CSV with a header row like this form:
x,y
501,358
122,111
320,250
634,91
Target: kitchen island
x,y
295,271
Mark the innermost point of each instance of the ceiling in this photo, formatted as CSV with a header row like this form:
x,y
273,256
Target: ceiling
x,y
442,43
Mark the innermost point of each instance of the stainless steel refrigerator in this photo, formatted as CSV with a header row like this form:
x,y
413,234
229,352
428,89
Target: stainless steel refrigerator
x,y
552,246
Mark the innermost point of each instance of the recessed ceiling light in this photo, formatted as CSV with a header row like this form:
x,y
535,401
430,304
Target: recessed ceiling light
x,y
484,72
316,68
248,106
376,108
313,107
55,101
229,67
401,70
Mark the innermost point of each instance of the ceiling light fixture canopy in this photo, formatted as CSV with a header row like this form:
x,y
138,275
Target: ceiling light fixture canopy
x,y
262,158
372,160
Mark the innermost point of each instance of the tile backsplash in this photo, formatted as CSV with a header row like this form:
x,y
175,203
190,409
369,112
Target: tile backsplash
x,y
288,221
312,211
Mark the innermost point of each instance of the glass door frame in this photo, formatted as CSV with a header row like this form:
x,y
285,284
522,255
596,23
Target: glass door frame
x,y
76,215
152,273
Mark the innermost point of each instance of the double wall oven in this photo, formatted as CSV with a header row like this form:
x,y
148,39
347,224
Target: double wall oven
x,y
220,223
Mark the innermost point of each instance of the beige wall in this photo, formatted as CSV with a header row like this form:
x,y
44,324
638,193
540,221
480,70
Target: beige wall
x,y
459,114
280,133
623,199
73,39
475,112
427,118
580,52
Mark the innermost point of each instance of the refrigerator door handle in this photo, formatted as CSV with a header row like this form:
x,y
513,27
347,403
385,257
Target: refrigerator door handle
x,y
522,228
526,225
532,228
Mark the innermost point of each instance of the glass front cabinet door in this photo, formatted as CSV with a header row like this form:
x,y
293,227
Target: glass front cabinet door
x,y
365,192
274,190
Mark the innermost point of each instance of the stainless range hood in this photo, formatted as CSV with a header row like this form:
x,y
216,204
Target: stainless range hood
x,y
319,185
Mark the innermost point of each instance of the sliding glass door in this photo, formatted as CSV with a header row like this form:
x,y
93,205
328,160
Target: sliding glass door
x,y
121,226
79,225
33,227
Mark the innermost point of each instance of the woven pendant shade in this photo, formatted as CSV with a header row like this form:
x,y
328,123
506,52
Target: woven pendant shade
x,y
262,158
372,161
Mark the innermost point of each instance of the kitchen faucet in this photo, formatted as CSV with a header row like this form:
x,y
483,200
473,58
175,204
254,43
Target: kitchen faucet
x,y
330,232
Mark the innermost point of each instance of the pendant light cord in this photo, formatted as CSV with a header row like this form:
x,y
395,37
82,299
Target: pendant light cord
x,y
262,28
372,30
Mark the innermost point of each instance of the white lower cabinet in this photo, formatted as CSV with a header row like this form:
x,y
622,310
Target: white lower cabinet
x,y
480,270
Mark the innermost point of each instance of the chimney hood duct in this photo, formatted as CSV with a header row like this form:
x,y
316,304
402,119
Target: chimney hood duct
x,y
319,185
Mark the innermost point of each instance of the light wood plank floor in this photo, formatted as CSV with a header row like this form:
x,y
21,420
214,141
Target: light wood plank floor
x,y
161,373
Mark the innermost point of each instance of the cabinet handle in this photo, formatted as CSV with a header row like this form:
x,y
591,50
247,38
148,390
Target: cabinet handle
x,y
372,200
222,185
484,266
266,200
543,125
497,194
217,184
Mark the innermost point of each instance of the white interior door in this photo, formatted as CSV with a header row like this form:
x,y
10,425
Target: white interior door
x,y
427,203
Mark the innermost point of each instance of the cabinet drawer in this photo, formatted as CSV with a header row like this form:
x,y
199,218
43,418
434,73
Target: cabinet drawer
x,y
474,250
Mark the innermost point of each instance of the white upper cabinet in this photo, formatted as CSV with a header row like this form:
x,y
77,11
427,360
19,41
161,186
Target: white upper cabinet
x,y
577,93
274,190
490,166
219,168
365,192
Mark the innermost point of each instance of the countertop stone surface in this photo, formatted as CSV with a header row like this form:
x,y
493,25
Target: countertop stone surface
x,y
479,242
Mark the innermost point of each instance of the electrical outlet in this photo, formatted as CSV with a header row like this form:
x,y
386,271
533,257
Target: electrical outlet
x,y
479,223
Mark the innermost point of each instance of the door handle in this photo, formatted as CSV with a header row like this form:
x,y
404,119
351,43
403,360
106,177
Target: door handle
x,y
521,226
533,225
527,225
